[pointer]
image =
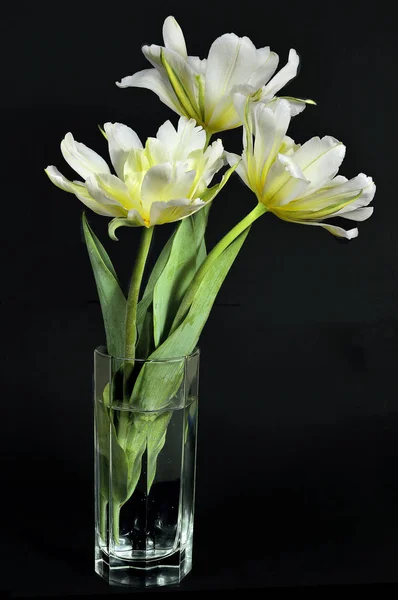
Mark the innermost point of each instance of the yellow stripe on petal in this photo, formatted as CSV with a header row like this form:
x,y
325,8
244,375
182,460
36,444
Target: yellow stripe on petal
x,y
185,101
201,96
312,215
114,188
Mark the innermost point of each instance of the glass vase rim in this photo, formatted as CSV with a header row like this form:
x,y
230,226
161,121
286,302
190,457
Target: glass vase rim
x,y
102,351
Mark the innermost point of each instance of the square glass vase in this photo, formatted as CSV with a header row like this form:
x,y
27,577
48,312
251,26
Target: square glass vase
x,y
145,431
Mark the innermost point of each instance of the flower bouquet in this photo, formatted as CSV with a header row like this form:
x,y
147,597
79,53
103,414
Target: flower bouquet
x,y
146,376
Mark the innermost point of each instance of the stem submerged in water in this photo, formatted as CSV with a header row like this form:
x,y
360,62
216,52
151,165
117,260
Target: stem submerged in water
x,y
131,326
115,521
103,518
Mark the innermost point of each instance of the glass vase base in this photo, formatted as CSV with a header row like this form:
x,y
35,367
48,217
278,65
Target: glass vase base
x,y
138,574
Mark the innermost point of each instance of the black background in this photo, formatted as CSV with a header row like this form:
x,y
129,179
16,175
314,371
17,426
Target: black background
x,y
297,458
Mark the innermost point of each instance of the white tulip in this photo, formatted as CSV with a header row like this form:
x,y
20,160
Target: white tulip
x,y
164,182
203,89
299,183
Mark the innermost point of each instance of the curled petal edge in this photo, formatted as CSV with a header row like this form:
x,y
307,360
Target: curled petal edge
x,y
134,220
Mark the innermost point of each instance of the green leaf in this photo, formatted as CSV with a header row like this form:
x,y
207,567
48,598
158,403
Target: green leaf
x,y
155,441
135,448
147,298
110,453
173,282
148,432
158,382
185,338
199,220
145,344
112,299
120,469
102,446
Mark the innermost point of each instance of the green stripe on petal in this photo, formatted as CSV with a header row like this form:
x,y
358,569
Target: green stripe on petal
x,y
292,99
102,131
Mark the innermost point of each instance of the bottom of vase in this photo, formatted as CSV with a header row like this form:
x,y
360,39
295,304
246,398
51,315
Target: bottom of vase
x,y
169,570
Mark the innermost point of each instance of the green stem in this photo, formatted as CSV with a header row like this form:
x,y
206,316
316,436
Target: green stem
x,y
115,520
131,325
134,291
208,138
132,301
185,305
103,518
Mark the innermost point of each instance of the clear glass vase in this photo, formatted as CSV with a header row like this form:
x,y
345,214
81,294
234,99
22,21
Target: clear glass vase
x,y
145,424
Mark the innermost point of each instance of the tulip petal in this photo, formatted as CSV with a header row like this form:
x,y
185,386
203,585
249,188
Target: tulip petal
x,y
197,64
323,203
269,128
320,160
206,166
297,105
182,79
153,80
61,182
359,214
262,124
333,229
264,71
173,145
136,162
360,182
281,79
214,160
81,158
241,169
165,182
114,189
336,181
225,115
134,219
212,192
190,137
284,183
173,36
173,210
80,191
289,146
121,139
102,197
153,54
339,198
230,61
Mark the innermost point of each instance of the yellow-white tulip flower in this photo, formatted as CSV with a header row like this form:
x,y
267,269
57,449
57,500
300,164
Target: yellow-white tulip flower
x,y
203,89
161,183
299,183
